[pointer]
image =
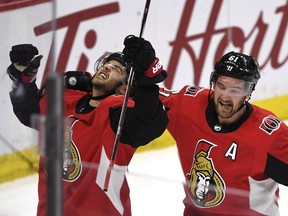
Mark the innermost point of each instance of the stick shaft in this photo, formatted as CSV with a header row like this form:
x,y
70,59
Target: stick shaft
x,y
145,14
124,106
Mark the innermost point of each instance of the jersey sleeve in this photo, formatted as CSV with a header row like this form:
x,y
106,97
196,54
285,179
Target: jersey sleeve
x,y
25,101
169,98
174,103
145,121
277,156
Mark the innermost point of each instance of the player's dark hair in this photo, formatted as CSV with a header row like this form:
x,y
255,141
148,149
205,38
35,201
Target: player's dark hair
x,y
108,56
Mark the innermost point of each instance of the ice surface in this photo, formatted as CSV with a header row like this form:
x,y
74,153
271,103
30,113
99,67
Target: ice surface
x,y
155,180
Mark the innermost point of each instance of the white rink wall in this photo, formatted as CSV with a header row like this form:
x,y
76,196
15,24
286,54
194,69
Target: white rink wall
x,y
188,36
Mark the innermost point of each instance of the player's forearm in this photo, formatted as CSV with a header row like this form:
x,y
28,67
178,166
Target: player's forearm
x,y
145,122
147,103
25,102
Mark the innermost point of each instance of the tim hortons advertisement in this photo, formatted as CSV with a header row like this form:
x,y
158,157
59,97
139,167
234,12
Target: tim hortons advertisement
x,y
189,36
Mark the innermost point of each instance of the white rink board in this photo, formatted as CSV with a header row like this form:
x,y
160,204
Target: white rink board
x,y
183,33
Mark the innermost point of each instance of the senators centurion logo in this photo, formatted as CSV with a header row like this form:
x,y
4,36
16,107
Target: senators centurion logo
x,y
71,158
72,166
205,185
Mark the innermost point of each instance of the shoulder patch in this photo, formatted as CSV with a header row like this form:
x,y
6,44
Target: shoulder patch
x,y
193,90
270,124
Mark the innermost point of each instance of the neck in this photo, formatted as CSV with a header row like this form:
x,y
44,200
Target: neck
x,y
94,103
96,99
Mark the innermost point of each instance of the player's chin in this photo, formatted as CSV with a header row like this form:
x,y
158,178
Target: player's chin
x,y
99,81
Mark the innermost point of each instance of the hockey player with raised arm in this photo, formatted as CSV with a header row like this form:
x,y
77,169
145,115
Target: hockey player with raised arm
x,y
233,154
93,107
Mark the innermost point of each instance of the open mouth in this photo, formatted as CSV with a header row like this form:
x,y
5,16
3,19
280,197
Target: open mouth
x,y
104,76
225,105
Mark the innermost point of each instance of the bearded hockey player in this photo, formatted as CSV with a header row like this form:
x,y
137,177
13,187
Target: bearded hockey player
x,y
92,107
233,153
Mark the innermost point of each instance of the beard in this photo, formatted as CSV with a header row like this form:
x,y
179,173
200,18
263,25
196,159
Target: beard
x,y
105,86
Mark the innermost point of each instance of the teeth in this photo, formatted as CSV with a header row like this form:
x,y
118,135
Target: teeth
x,y
224,103
103,76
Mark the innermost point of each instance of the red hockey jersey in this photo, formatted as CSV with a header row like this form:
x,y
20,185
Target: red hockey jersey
x,y
88,147
227,168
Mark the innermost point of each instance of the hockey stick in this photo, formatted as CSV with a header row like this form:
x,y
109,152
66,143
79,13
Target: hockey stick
x,y
124,106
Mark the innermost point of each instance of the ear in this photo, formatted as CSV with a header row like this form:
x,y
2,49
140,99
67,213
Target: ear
x,y
247,97
121,90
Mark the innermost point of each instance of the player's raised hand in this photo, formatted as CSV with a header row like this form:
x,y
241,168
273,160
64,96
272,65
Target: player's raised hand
x,y
141,54
25,61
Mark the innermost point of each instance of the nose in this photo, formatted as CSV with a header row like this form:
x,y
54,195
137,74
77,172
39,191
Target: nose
x,y
107,67
224,92
225,95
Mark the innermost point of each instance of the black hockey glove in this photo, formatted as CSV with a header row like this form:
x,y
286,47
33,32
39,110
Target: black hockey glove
x,y
78,80
141,54
25,63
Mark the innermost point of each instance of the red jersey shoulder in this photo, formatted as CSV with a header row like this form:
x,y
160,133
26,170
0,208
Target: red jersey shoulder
x,y
187,90
71,98
71,95
115,101
180,99
195,94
